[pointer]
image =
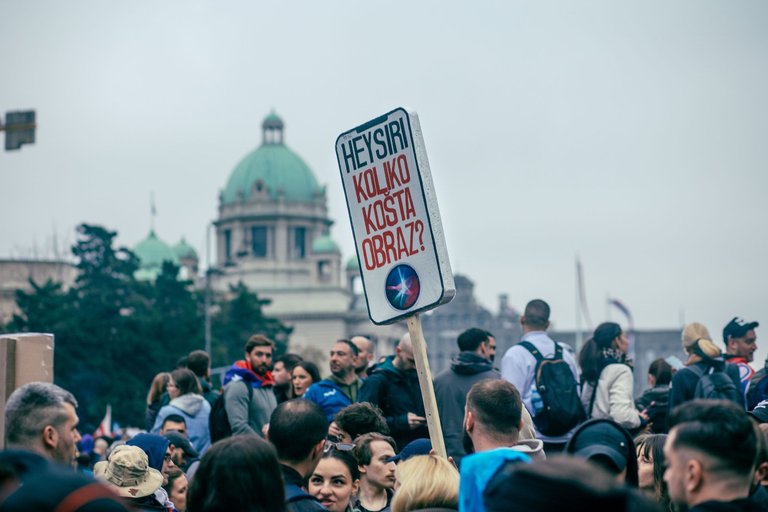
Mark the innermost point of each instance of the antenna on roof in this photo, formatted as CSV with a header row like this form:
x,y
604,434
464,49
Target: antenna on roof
x,y
152,211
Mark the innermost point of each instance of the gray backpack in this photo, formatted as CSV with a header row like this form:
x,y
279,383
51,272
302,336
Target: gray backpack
x,y
715,384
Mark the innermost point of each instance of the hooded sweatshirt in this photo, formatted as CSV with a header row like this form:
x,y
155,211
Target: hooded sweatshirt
x,y
248,416
195,410
396,393
451,388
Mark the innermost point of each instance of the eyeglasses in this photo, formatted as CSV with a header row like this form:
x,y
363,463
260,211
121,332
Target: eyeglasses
x,y
342,447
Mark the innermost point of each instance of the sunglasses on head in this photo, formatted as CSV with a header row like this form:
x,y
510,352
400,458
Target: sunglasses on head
x,y
342,447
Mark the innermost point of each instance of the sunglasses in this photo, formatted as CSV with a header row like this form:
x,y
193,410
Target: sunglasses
x,y
342,447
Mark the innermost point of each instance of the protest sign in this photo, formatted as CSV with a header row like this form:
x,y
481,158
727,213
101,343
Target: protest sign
x,y
394,215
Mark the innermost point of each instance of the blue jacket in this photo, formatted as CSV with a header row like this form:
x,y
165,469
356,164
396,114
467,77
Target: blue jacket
x,y
195,410
329,396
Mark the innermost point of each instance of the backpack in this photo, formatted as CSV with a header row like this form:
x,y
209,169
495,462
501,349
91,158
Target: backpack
x,y
715,384
218,421
758,389
562,408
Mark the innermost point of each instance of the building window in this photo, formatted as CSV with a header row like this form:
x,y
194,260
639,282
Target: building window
x,y
298,249
259,246
324,270
227,245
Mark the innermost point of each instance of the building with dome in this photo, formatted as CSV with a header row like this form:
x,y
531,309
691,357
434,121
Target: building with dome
x,y
153,252
273,234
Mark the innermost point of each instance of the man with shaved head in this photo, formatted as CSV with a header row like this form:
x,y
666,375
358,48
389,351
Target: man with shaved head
x,y
394,387
365,355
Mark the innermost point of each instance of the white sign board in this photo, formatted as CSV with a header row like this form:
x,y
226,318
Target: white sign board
x,y
395,220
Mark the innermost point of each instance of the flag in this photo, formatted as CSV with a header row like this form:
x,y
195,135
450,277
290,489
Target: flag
x,y
105,427
630,322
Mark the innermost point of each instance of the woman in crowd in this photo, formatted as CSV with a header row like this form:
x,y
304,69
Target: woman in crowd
x,y
238,473
177,489
426,482
303,375
650,468
655,400
335,479
606,378
154,402
186,400
703,356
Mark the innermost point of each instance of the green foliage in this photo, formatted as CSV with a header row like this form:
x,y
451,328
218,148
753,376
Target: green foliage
x,y
114,333
238,319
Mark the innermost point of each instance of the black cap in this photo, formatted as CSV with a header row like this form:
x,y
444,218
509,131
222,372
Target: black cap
x,y
607,443
415,447
760,412
179,441
737,328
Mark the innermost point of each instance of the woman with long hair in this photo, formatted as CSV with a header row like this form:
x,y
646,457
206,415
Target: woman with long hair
x,y
606,378
176,488
336,479
187,401
154,398
703,356
303,375
238,473
650,468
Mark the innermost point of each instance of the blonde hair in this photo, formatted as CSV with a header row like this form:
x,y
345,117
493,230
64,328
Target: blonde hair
x,y
692,332
707,347
426,481
157,387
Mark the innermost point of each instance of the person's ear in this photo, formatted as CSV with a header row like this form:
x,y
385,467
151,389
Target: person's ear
x,y
522,320
355,486
470,423
521,425
317,451
694,474
363,469
50,437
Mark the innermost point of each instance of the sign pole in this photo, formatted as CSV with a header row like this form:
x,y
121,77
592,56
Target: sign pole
x,y
425,383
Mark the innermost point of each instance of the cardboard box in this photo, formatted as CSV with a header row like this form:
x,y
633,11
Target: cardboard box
x,y
24,357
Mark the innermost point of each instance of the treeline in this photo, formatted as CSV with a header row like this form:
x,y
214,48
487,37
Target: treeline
x,y
113,333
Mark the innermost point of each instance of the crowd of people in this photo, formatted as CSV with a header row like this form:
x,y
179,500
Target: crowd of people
x,y
550,430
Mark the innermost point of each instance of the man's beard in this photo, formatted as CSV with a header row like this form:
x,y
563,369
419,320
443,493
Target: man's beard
x,y
466,441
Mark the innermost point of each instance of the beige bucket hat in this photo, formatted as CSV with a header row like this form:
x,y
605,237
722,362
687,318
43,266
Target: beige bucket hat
x,y
127,471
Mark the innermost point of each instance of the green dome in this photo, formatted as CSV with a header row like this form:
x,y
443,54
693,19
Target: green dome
x,y
272,167
352,263
153,252
324,244
184,251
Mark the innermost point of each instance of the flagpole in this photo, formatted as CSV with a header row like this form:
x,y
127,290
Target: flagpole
x,y
579,334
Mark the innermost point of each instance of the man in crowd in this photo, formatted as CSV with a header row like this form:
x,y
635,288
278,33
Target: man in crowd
x,y
491,347
182,452
471,365
740,344
341,388
519,365
374,453
174,423
297,430
282,374
710,456
357,419
248,410
366,352
200,363
394,388
494,416
159,456
40,417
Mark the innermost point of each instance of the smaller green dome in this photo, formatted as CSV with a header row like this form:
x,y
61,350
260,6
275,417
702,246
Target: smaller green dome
x,y
152,252
184,251
324,244
352,263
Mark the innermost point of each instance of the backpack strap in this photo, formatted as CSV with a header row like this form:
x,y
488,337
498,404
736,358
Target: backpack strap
x,y
533,350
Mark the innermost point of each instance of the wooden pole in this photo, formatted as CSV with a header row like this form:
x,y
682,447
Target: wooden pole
x,y
425,383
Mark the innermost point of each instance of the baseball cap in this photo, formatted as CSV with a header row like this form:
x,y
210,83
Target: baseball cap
x,y
179,441
416,447
737,328
607,443
760,412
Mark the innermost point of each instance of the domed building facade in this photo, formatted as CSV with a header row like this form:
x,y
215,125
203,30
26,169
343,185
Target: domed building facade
x,y
273,234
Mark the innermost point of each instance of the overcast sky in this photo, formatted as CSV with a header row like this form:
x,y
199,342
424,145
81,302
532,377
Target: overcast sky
x,y
633,134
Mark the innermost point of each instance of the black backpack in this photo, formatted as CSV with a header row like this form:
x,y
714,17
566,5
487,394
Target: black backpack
x,y
218,421
758,389
715,384
562,408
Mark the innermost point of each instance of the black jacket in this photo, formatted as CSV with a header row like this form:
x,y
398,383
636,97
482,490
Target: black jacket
x,y
741,505
684,382
296,498
396,393
451,388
